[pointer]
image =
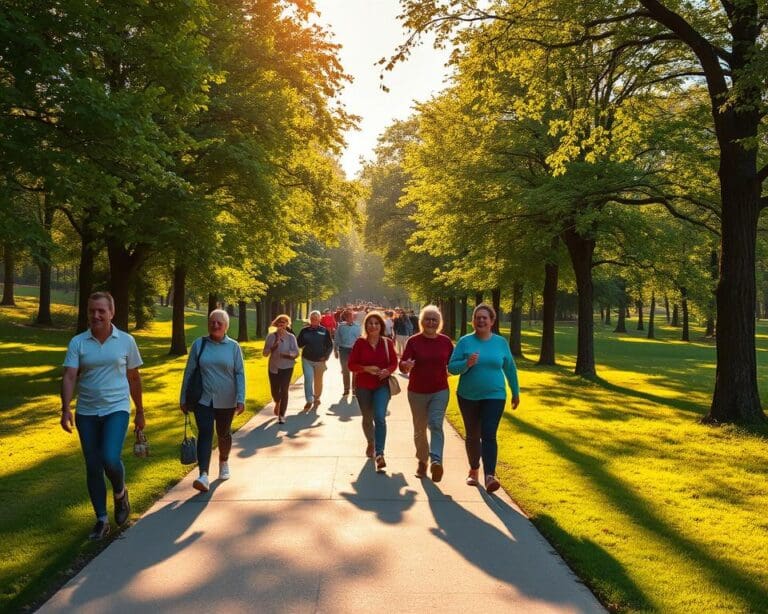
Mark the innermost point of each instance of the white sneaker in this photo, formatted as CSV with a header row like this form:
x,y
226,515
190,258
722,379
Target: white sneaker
x,y
224,473
201,483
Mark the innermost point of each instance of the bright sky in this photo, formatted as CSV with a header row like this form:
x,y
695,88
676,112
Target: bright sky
x,y
369,30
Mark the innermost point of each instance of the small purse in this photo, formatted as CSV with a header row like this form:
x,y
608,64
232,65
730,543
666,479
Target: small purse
x,y
392,383
188,451
141,445
195,385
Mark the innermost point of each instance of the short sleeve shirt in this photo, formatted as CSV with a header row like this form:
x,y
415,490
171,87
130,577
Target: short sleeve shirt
x,y
102,371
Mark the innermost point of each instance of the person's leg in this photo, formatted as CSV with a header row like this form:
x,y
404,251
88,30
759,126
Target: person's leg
x,y
284,379
365,401
491,411
470,414
89,430
204,418
418,403
274,385
438,402
345,375
319,368
380,399
115,425
308,370
224,432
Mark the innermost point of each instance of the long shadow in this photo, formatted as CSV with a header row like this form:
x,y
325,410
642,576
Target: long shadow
x,y
729,578
381,493
345,409
269,433
516,558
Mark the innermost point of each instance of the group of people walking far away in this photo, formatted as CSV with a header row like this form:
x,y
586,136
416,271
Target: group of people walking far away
x,y
103,363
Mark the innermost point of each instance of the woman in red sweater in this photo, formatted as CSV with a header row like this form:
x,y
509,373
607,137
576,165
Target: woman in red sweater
x,y
373,359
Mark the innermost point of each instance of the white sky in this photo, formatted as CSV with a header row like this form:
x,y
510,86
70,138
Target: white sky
x,y
369,30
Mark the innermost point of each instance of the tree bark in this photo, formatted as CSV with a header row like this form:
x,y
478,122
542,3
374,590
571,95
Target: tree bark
x,y
516,320
124,263
85,276
44,266
9,270
549,308
639,306
621,321
242,324
666,307
652,317
451,323
684,305
608,314
675,315
581,251
178,338
213,302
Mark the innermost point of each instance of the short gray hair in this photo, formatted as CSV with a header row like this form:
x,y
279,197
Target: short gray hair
x,y
431,309
220,312
315,312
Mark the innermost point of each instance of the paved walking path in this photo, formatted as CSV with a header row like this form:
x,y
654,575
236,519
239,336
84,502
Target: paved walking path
x,y
306,525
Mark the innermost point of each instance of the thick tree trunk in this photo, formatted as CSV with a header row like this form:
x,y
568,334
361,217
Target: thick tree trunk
x,y
516,320
463,323
496,302
639,306
9,270
242,324
621,321
684,306
549,308
124,263
675,315
44,265
178,338
652,317
581,251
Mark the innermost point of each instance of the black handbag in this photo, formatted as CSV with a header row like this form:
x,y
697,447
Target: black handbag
x,y
195,385
188,452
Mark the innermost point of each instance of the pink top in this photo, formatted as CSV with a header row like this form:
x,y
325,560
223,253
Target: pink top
x,y
363,355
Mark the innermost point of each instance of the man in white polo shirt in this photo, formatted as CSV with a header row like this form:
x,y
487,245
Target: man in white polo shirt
x,y
104,363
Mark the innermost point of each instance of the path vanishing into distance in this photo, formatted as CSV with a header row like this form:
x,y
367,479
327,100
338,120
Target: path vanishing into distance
x,y
306,525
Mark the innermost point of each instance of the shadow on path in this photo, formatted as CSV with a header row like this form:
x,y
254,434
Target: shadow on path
x,y
381,493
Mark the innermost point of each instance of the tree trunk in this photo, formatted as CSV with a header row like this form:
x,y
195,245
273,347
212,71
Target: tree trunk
x,y
260,328
213,303
242,324
684,304
652,317
639,306
85,276
451,323
621,321
124,263
178,338
714,266
496,302
9,269
675,315
478,298
44,265
516,320
666,307
549,308
608,314
581,251
463,323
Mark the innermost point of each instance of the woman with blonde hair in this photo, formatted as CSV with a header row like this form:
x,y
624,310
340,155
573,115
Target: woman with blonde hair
x,y
425,359
373,360
282,349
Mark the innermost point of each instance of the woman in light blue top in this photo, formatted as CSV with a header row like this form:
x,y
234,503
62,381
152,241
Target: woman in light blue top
x,y
485,366
282,349
223,375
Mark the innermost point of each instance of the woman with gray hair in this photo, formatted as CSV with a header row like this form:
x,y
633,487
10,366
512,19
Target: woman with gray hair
x,y
223,374
425,359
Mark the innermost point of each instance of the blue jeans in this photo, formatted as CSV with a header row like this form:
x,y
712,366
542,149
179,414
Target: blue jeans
x,y
373,406
481,421
428,411
205,418
101,438
313,379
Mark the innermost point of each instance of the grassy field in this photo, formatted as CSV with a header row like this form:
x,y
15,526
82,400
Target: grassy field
x,y
46,514
656,512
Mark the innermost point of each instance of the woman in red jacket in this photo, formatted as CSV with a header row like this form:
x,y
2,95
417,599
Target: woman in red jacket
x,y
373,359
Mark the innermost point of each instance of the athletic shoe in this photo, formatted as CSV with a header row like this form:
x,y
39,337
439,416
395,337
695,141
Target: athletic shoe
x,y
472,478
421,470
122,509
369,450
281,420
491,483
100,530
380,463
201,483
224,473
436,468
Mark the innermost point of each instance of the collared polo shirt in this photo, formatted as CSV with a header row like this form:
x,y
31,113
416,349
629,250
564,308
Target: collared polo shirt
x,y
102,381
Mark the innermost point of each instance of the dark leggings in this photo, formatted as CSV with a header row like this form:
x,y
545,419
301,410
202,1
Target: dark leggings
x,y
481,421
205,418
279,383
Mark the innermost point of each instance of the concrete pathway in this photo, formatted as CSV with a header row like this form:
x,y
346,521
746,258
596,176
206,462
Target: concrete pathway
x,y
306,525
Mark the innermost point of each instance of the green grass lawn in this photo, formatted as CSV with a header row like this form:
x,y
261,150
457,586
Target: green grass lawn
x,y
46,514
655,511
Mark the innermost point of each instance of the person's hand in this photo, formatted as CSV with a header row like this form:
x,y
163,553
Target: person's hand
x,y
407,365
515,402
472,360
184,408
67,421
138,420
240,408
383,374
372,369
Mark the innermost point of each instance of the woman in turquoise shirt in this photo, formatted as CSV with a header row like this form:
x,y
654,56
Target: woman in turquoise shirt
x,y
485,366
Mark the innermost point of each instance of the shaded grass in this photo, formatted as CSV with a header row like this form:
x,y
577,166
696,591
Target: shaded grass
x,y
654,511
46,513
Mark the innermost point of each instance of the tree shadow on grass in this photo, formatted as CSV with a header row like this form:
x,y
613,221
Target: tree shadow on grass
x,y
730,579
